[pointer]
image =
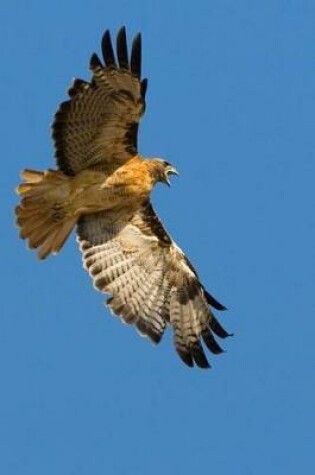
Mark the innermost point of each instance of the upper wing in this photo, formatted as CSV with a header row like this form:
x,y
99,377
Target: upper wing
x,y
151,281
98,126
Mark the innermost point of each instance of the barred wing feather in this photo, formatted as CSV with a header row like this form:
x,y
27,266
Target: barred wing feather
x,y
97,128
150,281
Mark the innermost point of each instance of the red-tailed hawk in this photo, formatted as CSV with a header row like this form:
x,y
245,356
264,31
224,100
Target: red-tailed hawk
x,y
103,186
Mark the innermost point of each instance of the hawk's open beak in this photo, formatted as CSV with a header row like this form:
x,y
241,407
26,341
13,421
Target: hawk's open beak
x,y
170,171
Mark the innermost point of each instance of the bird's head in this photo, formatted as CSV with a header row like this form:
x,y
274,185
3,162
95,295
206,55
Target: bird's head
x,y
161,170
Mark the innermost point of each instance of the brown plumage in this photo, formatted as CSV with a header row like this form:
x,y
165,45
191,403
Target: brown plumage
x,y
103,185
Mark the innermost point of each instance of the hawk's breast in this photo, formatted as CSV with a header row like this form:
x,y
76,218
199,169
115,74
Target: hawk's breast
x,y
127,187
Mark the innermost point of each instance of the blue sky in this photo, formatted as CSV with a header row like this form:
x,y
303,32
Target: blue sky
x,y
231,104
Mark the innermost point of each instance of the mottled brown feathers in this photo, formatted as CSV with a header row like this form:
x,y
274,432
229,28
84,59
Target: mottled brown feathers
x,y
98,127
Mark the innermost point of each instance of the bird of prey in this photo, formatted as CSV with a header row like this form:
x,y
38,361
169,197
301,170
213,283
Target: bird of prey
x,y
102,186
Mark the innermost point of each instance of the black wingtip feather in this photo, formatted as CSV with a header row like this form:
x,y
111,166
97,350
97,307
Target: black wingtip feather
x,y
213,302
210,342
144,85
217,328
199,356
186,357
122,50
95,62
135,61
107,50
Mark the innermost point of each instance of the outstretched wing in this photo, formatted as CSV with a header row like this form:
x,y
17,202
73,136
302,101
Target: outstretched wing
x,y
150,280
98,126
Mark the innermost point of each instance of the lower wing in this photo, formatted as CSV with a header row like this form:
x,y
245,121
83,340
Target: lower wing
x,y
151,281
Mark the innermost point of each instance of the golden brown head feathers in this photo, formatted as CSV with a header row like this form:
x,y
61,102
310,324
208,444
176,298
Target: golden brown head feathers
x,y
160,170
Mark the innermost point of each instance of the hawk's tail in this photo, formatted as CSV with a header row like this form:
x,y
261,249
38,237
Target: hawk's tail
x,y
42,215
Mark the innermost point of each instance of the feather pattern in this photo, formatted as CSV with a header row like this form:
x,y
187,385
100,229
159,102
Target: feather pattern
x,y
103,185
98,126
150,281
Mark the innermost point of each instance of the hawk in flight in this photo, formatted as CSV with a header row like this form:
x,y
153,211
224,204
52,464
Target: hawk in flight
x,y
102,186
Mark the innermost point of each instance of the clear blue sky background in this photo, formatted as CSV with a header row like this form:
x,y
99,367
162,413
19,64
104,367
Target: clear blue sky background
x,y
231,104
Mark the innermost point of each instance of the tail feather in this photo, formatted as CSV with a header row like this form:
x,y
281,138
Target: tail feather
x,y
37,236
42,215
32,176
